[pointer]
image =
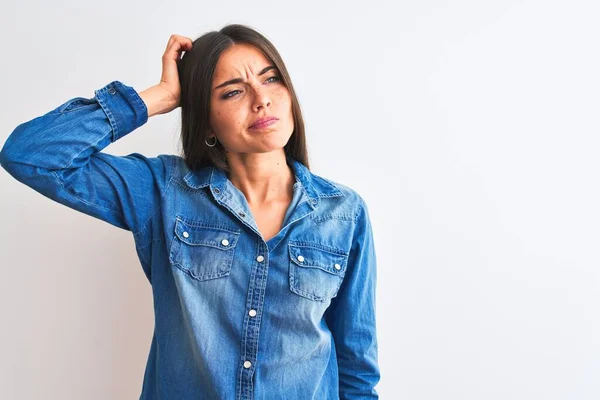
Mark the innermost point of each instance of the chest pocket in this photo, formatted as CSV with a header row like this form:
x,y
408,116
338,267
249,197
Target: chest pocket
x,y
203,251
315,273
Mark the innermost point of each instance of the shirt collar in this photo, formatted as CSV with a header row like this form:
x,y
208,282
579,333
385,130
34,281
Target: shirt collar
x,y
315,186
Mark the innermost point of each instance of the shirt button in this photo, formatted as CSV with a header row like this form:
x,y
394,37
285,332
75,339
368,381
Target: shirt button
x,y
112,90
337,266
217,190
185,234
313,201
300,258
252,313
241,214
260,259
225,242
247,364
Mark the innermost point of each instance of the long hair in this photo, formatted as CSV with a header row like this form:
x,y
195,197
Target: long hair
x,y
196,69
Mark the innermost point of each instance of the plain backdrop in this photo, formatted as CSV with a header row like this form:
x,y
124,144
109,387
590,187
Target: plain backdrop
x,y
469,127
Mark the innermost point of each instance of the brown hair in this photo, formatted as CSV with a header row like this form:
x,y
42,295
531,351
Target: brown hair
x,y
196,69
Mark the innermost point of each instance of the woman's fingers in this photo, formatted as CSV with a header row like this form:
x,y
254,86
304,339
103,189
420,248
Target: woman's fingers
x,y
169,81
177,44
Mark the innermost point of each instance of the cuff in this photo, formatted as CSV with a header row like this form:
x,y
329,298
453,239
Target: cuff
x,y
123,106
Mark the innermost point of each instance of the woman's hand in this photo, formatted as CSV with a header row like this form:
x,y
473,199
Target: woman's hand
x,y
165,96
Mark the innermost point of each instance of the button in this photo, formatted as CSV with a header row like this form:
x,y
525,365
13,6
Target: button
x,y
252,313
225,242
185,234
337,266
112,90
300,258
247,364
217,190
260,259
314,201
241,214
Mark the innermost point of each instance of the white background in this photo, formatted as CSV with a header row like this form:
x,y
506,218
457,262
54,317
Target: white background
x,y
469,127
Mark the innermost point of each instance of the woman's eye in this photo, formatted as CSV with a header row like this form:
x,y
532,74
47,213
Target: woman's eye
x,y
229,94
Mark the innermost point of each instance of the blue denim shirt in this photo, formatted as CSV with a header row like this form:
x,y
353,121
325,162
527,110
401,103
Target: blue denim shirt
x,y
236,317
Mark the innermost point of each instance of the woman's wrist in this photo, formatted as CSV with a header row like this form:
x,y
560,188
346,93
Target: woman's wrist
x,y
157,100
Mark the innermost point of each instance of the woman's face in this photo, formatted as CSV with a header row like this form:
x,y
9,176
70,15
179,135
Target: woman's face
x,y
246,87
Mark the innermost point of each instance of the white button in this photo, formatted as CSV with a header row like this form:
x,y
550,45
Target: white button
x,y
260,259
185,234
300,258
225,242
337,266
252,313
247,364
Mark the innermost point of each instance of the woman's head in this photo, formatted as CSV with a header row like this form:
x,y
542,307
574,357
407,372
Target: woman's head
x,y
230,79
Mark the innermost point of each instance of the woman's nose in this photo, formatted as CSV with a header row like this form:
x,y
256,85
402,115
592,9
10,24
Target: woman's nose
x,y
261,99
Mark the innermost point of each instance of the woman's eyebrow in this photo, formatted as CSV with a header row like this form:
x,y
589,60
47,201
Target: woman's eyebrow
x,y
239,80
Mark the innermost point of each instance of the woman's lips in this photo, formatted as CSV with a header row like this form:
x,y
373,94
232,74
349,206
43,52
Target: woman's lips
x,y
264,123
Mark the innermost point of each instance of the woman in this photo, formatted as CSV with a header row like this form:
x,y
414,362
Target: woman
x,y
263,274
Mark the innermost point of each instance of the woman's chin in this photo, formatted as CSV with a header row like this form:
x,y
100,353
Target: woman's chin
x,y
272,139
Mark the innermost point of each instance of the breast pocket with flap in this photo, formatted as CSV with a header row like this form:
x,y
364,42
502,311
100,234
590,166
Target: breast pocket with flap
x,y
316,272
201,250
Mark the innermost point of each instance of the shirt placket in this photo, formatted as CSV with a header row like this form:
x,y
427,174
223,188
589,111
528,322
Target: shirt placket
x,y
256,292
257,282
252,320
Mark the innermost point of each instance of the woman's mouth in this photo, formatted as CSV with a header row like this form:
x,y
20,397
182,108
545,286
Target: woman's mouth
x,y
263,122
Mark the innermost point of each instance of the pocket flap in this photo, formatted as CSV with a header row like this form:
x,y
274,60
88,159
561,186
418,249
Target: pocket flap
x,y
327,260
205,235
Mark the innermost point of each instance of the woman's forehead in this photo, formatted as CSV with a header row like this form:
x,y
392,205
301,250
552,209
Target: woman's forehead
x,y
239,59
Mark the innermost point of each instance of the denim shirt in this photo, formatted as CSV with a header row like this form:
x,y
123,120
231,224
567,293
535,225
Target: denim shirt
x,y
236,317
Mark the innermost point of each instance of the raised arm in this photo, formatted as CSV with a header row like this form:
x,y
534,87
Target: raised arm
x,y
59,154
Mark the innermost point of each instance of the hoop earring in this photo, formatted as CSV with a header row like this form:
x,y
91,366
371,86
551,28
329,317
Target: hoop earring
x,y
211,145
